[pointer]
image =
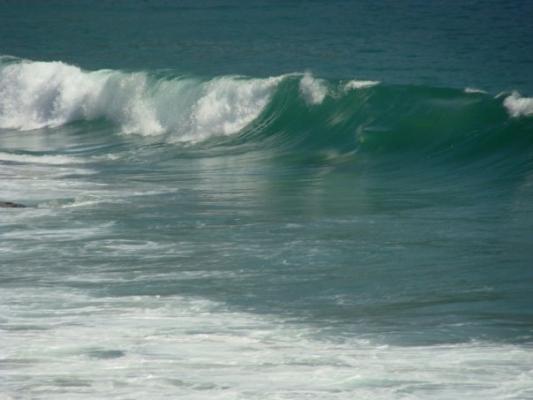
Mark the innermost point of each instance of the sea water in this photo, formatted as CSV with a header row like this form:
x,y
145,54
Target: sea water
x,y
266,200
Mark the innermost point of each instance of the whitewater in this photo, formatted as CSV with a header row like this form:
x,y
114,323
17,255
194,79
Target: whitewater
x,y
284,237
320,200
50,94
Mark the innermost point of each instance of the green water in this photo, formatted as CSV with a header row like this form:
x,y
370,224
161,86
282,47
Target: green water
x,y
266,201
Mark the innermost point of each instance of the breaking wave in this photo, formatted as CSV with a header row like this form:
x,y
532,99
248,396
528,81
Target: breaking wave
x,y
36,95
339,116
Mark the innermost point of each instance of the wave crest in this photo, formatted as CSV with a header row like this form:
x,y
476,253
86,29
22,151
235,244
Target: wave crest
x,y
290,109
313,90
518,106
37,95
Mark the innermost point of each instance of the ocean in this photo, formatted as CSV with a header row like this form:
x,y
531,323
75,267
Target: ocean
x,y
266,200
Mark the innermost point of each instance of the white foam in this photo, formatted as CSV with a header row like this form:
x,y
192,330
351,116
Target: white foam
x,y
42,159
471,90
229,104
37,95
62,344
355,84
313,90
518,106
65,234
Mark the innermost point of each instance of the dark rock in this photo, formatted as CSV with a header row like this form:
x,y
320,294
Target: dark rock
x,y
9,204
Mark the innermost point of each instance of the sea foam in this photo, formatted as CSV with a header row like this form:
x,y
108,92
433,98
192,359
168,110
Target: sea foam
x,y
313,90
38,159
156,346
37,95
473,90
355,84
518,106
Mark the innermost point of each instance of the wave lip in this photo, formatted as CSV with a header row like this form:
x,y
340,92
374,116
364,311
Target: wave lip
x,y
313,90
518,106
36,95
356,84
473,90
227,105
290,109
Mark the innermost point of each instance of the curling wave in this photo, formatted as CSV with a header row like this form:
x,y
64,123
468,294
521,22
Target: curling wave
x,y
35,95
285,111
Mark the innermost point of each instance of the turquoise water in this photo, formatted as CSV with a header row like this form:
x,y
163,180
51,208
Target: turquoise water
x,y
305,200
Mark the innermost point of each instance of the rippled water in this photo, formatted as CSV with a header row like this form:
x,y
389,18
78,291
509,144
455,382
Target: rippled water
x,y
329,225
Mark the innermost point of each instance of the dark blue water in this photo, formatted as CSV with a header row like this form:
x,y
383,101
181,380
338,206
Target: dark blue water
x,y
293,200
485,44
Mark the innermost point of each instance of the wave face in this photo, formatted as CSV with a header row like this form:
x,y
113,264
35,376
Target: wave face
x,y
231,237
297,109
